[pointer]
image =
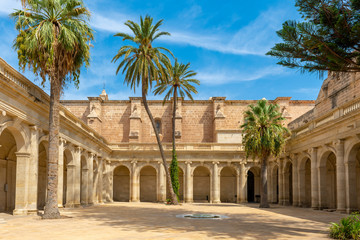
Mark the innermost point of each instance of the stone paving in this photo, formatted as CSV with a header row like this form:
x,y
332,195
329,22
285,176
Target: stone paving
x,y
158,221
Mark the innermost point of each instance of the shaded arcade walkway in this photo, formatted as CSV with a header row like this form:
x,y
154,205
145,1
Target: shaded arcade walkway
x,y
157,221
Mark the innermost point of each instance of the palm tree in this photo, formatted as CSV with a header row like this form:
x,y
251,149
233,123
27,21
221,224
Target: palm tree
x,y
180,80
263,136
144,64
53,41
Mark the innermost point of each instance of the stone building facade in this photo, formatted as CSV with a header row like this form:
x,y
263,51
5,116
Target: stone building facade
x,y
108,150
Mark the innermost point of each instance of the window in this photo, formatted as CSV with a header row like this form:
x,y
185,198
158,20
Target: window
x,y
158,125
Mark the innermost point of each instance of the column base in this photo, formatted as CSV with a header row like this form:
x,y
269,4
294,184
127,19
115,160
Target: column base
x,y
136,200
24,212
189,201
216,201
341,210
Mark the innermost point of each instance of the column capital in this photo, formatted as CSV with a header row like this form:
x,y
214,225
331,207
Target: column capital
x,y
91,154
215,163
62,140
188,162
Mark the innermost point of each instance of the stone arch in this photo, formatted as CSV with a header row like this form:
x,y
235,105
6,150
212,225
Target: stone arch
x,y
253,184
8,148
148,184
121,184
201,184
352,163
42,174
288,183
328,193
275,183
84,176
305,182
19,133
228,184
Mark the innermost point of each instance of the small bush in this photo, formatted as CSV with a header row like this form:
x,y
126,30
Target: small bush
x,y
348,228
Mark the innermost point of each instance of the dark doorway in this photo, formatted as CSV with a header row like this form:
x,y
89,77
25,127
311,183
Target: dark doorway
x,y
251,187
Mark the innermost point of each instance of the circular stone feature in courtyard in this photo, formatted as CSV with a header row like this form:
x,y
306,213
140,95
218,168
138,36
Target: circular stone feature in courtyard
x,y
202,216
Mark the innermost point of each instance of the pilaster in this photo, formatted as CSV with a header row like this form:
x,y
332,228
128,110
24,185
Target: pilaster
x,y
135,119
219,117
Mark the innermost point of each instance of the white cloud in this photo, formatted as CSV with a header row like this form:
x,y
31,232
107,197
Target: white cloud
x,y
8,6
254,39
223,76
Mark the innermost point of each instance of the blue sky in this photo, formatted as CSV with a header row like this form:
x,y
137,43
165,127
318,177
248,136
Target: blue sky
x,y
225,42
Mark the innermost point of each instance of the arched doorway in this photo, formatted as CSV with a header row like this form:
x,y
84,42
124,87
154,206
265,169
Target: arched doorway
x,y
8,147
148,183
305,182
84,181
181,187
42,177
201,184
121,184
253,184
228,185
288,183
353,166
328,181
275,184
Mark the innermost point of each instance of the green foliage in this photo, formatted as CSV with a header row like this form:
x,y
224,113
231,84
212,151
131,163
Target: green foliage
x,y
142,63
179,80
54,38
174,173
348,228
328,39
263,132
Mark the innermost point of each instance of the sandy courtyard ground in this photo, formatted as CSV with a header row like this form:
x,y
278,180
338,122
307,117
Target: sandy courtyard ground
x,y
158,221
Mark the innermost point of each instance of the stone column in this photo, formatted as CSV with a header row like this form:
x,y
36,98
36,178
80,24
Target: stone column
x,y
77,176
96,179
295,178
91,179
314,179
162,183
61,173
188,183
340,176
33,169
216,184
350,179
243,183
22,184
108,182
135,183
281,182
100,181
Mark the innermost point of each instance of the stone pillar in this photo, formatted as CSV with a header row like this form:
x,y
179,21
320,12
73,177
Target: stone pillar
x,y
77,176
100,181
340,176
188,183
295,178
96,179
243,184
216,184
178,119
135,183
219,117
91,179
108,182
162,183
61,173
22,184
135,119
314,179
350,179
33,170
281,182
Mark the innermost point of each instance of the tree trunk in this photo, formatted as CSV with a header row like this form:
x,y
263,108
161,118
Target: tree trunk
x,y
168,178
51,206
263,187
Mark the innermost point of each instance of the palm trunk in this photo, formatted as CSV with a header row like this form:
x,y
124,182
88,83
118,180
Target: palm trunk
x,y
51,206
263,187
168,178
173,120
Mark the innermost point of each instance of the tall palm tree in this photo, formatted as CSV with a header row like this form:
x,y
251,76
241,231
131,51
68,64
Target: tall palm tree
x,y
144,64
179,82
54,41
263,136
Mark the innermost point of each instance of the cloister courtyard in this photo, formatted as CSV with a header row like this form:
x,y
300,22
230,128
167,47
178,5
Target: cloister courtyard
x,y
158,221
